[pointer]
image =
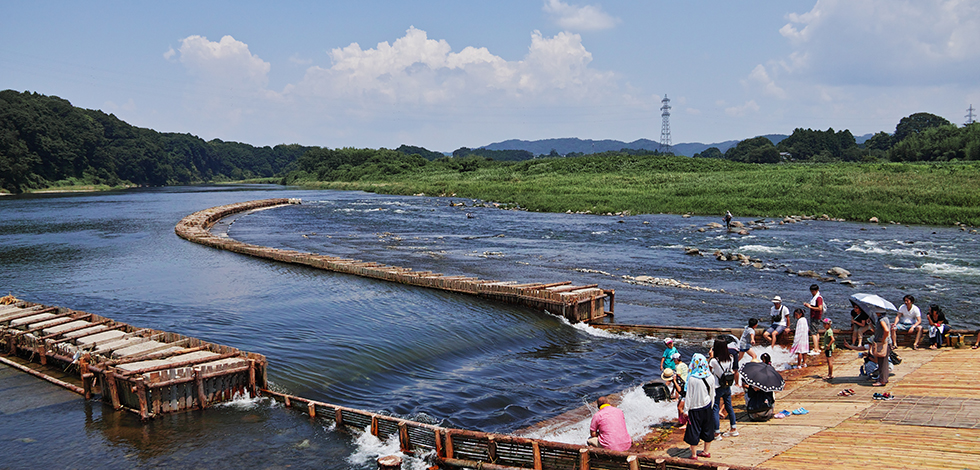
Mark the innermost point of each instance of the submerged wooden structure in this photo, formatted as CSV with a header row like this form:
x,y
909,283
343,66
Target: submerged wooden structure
x,y
146,371
574,302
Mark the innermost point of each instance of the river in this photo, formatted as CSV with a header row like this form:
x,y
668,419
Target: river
x,y
427,355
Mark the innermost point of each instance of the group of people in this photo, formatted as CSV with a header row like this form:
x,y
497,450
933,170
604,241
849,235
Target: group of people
x,y
703,389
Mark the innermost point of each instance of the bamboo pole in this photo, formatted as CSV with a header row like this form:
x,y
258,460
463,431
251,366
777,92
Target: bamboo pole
x,y
43,376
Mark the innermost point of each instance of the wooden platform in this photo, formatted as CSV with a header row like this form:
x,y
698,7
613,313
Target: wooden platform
x,y
932,423
143,370
576,303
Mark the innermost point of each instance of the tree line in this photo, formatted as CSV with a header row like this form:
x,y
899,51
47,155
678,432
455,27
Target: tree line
x,y
45,140
918,137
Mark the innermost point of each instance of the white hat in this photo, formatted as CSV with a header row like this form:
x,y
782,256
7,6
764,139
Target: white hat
x,y
675,356
777,299
668,340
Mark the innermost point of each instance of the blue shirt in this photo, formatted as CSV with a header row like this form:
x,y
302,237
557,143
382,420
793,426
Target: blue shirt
x,y
668,360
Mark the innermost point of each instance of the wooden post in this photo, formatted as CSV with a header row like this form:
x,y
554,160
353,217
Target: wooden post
x,y
491,449
202,398
374,425
141,392
389,462
662,464
286,399
312,409
338,417
449,444
439,448
633,462
251,378
404,441
42,353
536,451
583,459
110,379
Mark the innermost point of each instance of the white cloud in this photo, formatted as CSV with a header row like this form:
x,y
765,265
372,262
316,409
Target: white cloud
x,y
419,70
227,62
738,111
759,77
579,18
169,54
886,42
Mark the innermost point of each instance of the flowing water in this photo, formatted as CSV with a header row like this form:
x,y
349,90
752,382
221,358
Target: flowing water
x,y
426,355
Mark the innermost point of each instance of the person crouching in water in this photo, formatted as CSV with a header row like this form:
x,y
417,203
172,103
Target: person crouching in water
x,y
699,407
608,428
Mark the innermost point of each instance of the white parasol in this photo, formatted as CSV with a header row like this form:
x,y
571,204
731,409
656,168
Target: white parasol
x,y
871,303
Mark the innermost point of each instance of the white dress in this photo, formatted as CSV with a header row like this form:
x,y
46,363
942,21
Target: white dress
x,y
801,340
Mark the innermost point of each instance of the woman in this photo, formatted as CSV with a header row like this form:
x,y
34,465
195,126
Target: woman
x,y
860,324
698,406
937,326
880,348
722,366
801,339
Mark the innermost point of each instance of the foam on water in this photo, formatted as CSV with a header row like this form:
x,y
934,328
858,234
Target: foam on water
x,y
243,401
640,410
600,333
763,249
940,269
369,448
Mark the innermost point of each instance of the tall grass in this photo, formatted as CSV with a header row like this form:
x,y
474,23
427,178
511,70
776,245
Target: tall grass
x,y
933,193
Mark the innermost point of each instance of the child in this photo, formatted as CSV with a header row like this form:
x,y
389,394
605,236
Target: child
x,y
748,340
667,361
801,338
828,347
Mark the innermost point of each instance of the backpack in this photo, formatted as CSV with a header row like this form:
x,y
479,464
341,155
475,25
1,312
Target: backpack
x,y
727,377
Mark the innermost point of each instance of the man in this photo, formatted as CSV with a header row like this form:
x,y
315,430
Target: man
x,y
608,428
779,315
817,310
909,318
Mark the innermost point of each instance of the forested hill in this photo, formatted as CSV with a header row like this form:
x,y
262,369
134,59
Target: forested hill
x,y
46,140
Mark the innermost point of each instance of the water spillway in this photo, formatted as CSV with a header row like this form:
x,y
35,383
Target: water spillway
x,y
575,303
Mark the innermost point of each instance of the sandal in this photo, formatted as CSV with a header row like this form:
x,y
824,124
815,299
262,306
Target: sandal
x,y
704,454
877,384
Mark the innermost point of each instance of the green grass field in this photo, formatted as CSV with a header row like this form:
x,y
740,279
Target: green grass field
x,y
933,193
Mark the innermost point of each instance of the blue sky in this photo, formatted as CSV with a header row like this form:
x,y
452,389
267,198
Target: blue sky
x,y
447,74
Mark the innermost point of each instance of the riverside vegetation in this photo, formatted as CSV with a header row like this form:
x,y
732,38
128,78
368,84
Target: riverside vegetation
x,y
917,193
924,173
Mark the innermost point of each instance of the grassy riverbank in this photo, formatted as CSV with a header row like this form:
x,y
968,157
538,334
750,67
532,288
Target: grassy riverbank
x,y
934,193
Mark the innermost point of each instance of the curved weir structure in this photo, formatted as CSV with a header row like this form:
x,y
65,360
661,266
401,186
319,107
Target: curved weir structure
x,y
576,303
448,448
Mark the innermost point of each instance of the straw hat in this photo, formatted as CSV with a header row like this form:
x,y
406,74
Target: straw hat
x,y
667,375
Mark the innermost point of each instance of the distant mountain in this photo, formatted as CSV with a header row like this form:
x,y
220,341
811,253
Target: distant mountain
x,y
569,145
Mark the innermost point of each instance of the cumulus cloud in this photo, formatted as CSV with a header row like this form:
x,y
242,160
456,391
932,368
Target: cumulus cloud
x,y
886,42
579,18
416,69
227,62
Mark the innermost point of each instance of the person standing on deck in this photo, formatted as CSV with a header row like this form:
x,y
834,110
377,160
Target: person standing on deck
x,y
608,428
801,341
909,318
880,348
779,315
817,311
698,406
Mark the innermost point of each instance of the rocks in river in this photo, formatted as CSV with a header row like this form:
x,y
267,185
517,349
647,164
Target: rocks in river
x,y
847,283
813,274
665,282
715,225
737,224
743,232
686,216
692,251
839,272
873,220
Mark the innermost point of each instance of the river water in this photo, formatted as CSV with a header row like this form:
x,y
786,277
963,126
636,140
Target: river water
x,y
430,356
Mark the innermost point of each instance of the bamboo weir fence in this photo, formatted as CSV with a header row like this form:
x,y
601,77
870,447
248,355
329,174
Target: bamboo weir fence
x,y
457,448
576,303
146,371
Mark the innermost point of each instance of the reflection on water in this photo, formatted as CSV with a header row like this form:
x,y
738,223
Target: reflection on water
x,y
426,355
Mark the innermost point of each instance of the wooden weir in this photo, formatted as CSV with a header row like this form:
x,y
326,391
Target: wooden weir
x,y
576,303
146,371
